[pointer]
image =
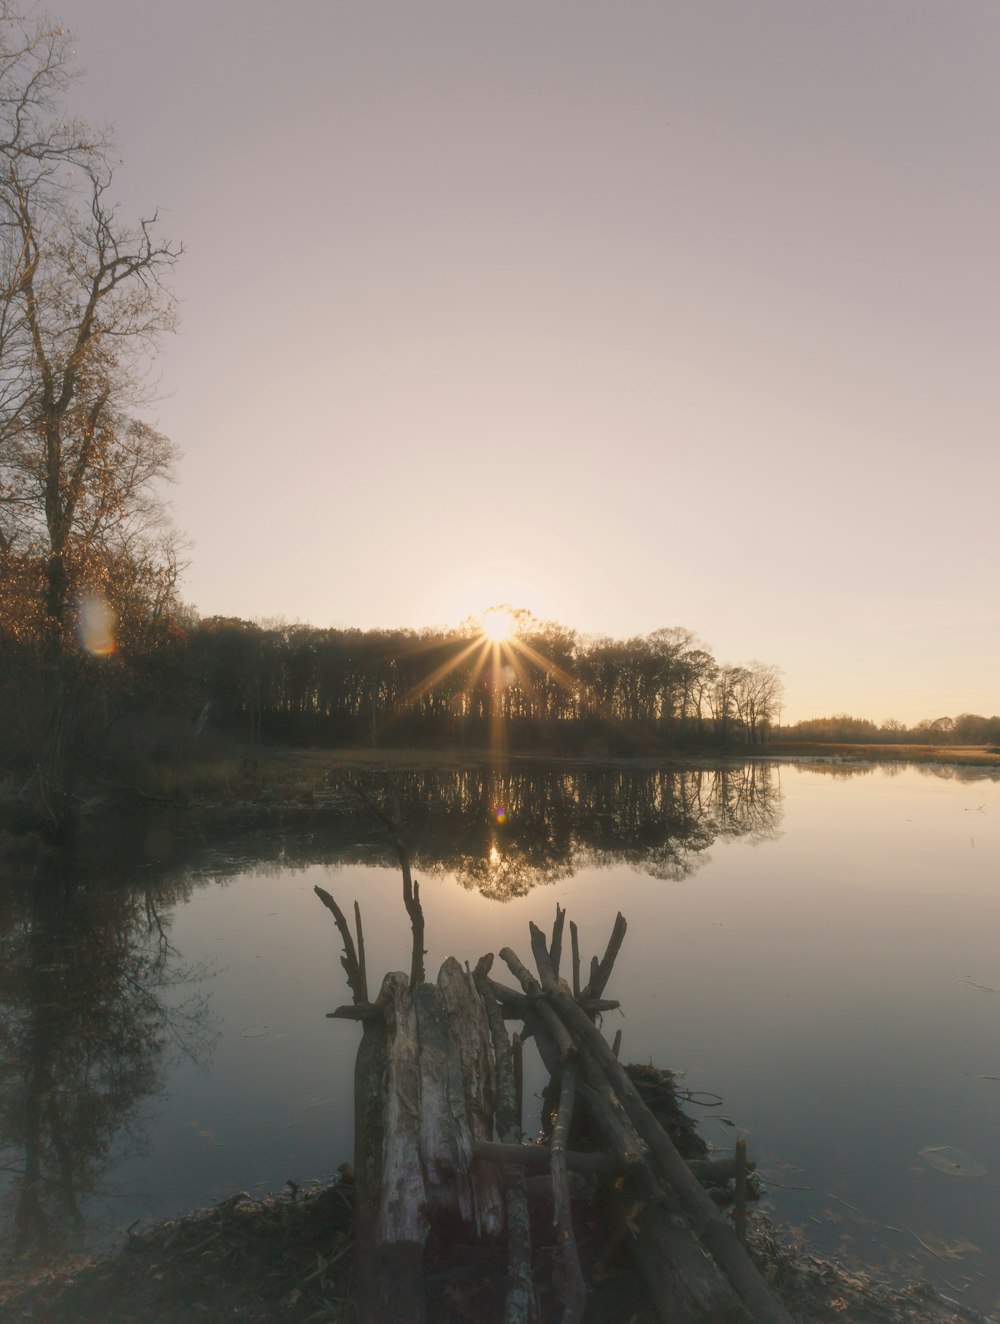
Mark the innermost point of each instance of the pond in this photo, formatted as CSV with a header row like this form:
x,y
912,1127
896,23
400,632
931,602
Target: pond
x,y
814,943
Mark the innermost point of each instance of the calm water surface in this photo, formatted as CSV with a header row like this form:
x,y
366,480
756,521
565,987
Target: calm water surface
x,y
816,944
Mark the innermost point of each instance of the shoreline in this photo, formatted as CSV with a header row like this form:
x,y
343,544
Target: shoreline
x,y
288,1258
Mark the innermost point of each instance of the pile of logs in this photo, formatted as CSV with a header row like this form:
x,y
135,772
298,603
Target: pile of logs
x,y
438,1142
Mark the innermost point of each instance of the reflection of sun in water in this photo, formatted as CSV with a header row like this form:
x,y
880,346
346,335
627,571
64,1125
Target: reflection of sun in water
x,y
498,624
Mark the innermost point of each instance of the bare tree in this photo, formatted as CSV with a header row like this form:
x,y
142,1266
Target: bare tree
x,y
83,540
82,305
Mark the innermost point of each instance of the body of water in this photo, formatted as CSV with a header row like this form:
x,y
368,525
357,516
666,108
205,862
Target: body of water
x,y
817,944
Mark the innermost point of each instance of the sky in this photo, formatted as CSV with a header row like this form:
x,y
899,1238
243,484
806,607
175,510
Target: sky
x,y
632,314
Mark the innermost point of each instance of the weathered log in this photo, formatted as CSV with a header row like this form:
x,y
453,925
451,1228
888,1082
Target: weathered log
x,y
471,1034
520,1303
370,1071
390,1217
445,1139
402,1212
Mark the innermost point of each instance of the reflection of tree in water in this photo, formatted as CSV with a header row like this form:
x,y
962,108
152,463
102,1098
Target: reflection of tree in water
x,y
960,772
503,833
845,771
86,1017
746,801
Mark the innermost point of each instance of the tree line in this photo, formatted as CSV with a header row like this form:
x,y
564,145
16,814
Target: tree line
x,y
842,728
547,687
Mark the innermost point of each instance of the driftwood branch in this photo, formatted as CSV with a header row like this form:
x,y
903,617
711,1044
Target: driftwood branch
x,y
517,1053
555,946
574,1288
574,938
515,1005
543,960
359,1011
411,899
599,977
355,973
362,971
411,889
554,1042
521,1304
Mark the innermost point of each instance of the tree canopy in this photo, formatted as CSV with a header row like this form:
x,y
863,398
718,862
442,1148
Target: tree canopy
x,y
82,305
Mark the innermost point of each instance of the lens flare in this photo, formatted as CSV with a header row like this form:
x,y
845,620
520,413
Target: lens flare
x,y
501,815
96,625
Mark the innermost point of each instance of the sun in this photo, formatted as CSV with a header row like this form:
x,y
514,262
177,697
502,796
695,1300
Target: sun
x,y
498,624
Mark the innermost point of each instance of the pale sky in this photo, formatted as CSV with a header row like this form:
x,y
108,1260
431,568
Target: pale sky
x,y
635,314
